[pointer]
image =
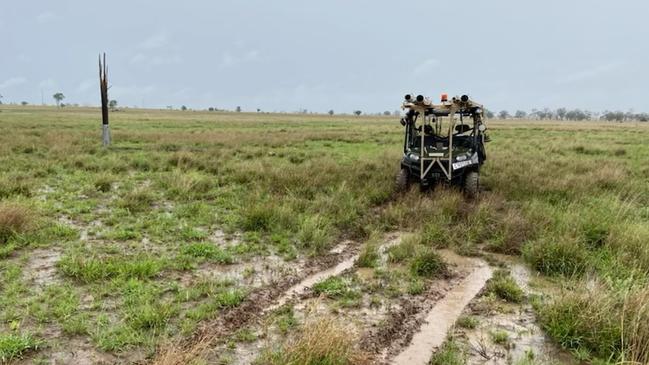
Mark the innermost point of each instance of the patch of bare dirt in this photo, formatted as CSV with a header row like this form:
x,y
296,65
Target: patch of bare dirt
x,y
40,268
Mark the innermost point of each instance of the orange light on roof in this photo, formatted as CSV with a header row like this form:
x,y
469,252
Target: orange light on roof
x,y
445,97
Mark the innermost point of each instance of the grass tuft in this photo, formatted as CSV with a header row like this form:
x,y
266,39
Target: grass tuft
x,y
13,346
15,219
319,342
504,287
428,263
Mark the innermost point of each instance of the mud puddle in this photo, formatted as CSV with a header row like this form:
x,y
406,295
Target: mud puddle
x,y
301,287
445,312
507,333
208,341
303,305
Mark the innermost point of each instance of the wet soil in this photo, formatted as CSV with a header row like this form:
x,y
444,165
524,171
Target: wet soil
x,y
525,339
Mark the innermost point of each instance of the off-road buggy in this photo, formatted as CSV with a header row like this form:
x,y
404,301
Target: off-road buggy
x,y
444,143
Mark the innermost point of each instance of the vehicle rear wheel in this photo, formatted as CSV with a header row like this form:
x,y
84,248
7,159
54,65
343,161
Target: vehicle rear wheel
x,y
472,184
403,180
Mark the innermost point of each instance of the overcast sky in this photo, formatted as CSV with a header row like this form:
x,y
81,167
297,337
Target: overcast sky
x,y
328,54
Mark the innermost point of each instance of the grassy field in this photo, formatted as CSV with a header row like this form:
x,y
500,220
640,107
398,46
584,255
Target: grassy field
x,y
113,251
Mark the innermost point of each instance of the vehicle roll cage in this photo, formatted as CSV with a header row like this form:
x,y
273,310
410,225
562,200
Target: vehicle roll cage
x,y
432,125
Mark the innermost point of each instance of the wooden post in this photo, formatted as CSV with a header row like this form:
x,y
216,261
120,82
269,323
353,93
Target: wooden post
x,y
103,89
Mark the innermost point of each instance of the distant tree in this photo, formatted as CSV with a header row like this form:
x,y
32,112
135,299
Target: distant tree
x,y
23,103
258,110
576,115
616,116
546,113
396,113
183,108
58,97
238,109
210,109
358,112
1,99
331,112
112,104
489,114
387,112
170,107
520,114
503,114
561,113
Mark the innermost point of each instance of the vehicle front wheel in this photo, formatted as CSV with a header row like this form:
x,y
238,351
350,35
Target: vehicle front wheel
x,y
403,180
472,184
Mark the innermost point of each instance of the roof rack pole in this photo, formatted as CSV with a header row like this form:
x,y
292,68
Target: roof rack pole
x,y
421,150
451,126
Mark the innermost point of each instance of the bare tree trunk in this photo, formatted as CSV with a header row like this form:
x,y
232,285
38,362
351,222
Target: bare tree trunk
x,y
103,88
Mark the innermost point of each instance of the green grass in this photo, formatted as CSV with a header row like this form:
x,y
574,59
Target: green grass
x,y
294,186
500,337
469,322
504,287
428,263
13,346
369,256
450,353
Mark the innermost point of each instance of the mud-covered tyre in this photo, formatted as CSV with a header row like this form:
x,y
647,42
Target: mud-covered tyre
x,y
472,184
403,180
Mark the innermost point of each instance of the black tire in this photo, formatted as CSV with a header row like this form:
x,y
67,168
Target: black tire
x,y
403,180
472,184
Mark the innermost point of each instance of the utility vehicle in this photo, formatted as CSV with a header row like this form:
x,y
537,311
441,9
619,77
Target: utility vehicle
x,y
444,143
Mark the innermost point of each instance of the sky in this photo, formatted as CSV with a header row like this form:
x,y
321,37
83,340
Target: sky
x,y
289,55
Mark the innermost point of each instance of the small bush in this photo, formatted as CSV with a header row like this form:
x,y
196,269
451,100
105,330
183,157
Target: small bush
x,y
504,287
14,219
428,263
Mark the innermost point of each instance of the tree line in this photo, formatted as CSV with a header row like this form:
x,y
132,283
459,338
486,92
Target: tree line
x,y
570,114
